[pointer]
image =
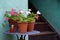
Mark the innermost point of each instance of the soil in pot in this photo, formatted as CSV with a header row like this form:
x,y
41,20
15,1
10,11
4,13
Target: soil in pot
x,y
22,27
30,26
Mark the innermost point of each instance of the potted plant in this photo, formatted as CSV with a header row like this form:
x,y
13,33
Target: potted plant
x,y
11,17
31,21
20,21
22,24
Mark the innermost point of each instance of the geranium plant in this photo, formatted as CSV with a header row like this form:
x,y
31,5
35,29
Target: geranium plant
x,y
11,15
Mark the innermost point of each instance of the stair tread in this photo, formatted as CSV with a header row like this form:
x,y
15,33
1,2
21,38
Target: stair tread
x,y
44,33
41,23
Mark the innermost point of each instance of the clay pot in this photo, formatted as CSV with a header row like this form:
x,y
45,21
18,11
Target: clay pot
x,y
30,26
12,22
22,27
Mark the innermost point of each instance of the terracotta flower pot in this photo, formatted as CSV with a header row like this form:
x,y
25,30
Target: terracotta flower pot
x,y
30,26
12,22
22,27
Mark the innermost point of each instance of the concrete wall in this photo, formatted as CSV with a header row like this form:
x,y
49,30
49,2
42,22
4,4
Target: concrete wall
x,y
7,5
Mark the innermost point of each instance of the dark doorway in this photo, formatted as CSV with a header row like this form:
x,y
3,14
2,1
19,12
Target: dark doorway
x,y
31,6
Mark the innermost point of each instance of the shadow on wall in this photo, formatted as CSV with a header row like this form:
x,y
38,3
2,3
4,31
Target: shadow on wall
x,y
58,0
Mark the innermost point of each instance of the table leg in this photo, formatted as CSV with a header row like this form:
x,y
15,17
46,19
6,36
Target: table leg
x,y
20,38
17,37
24,37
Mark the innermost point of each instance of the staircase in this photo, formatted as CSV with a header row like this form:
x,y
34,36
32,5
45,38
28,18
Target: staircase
x,y
47,32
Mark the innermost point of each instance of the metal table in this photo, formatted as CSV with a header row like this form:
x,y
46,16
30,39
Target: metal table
x,y
22,34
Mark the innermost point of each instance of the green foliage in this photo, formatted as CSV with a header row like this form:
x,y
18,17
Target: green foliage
x,y
14,18
31,17
22,18
7,14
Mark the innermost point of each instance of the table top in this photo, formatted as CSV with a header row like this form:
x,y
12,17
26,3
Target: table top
x,y
28,33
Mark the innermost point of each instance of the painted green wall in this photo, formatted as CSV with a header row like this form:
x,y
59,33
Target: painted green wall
x,y
50,9
7,5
